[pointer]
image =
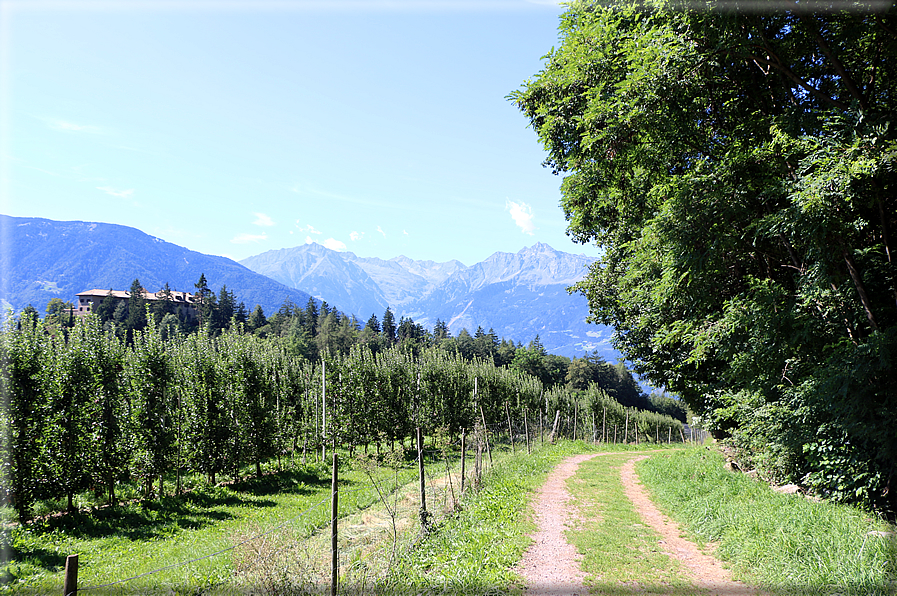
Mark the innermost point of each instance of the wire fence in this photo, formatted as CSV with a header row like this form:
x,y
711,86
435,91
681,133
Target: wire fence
x,y
511,435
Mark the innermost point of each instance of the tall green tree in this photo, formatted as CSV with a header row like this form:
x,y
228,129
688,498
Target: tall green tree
x,y
105,310
736,168
164,303
201,297
151,393
257,319
24,355
136,309
388,328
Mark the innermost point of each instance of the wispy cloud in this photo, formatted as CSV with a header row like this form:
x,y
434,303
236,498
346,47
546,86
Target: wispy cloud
x,y
72,127
247,238
122,194
263,220
405,232
356,236
334,244
522,214
379,229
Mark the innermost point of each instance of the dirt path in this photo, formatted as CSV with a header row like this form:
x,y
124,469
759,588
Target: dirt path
x,y
706,572
550,566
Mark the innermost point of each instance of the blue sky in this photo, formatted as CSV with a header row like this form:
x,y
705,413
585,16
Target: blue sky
x,y
235,127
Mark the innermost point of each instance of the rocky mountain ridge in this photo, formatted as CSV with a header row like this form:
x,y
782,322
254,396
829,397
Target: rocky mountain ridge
x,y
519,295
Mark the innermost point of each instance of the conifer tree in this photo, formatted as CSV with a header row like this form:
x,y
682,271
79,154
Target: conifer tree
x,y
136,309
388,328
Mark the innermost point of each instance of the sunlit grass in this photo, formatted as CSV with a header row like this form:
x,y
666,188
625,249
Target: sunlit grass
x,y
142,536
790,544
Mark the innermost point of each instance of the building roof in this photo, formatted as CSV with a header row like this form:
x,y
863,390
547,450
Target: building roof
x,y
181,297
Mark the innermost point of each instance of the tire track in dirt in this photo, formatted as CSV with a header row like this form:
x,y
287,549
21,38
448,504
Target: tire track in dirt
x,y
550,566
705,571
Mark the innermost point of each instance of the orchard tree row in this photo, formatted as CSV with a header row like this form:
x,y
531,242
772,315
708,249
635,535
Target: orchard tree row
x,y
89,410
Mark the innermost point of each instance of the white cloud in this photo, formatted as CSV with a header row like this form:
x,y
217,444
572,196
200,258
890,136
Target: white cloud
x,y
334,244
72,127
247,238
263,220
405,232
522,214
379,229
308,240
356,236
122,194
309,228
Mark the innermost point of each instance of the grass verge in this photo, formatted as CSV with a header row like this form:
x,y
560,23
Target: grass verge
x,y
786,543
473,550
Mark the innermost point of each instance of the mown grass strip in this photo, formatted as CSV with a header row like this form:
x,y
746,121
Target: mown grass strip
x,y
787,543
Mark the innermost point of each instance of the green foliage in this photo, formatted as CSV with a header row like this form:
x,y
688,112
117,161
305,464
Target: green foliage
x,y
736,169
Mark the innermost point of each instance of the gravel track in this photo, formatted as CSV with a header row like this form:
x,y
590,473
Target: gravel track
x,y
550,567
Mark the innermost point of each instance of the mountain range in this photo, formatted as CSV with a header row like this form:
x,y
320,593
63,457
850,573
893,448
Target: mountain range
x,y
518,295
41,259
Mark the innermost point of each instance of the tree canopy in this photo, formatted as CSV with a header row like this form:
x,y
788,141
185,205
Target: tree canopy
x,y
737,169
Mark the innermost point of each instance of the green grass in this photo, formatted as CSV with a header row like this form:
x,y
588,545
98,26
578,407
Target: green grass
x,y
120,542
786,543
475,550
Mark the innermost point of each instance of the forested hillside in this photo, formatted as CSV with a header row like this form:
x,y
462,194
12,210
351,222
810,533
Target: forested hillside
x,y
737,169
42,259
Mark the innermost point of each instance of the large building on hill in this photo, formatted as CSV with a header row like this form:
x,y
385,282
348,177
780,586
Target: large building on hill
x,y
184,303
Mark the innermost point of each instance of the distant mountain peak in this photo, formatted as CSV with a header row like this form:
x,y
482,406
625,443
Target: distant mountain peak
x,y
518,294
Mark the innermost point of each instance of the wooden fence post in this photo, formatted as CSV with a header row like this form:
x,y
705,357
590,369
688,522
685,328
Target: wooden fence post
x,y
424,521
510,430
463,456
526,430
604,425
323,410
486,436
626,429
334,515
554,429
70,585
541,427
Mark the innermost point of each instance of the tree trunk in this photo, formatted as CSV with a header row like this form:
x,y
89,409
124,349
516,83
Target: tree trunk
x,y
861,289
